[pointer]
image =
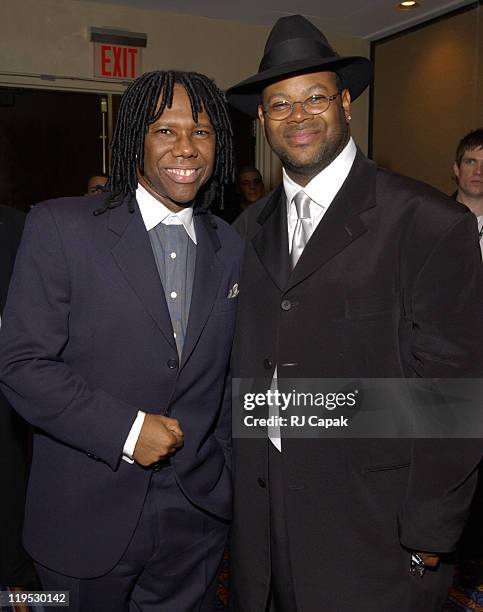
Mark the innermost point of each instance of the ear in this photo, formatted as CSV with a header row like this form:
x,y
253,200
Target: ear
x,y
261,117
346,104
456,171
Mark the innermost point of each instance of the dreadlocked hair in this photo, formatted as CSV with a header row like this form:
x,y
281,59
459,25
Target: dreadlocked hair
x,y
139,109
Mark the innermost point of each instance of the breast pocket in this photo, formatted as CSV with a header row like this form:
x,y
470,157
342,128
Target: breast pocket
x,y
225,305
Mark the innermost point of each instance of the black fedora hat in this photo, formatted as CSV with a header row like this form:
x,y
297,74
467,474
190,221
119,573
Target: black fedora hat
x,y
294,46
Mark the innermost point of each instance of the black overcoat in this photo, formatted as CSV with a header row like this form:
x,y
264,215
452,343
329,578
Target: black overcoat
x,y
389,285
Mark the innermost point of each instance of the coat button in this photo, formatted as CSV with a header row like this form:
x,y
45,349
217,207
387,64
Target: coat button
x,y
267,364
261,482
286,304
172,364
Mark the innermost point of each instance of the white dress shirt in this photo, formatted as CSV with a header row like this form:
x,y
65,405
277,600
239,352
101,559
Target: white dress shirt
x,y
154,212
322,189
480,229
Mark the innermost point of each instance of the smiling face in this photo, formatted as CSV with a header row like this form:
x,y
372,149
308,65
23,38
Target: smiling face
x,y
306,143
179,154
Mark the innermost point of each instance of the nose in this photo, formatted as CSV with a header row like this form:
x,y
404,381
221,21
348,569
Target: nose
x,y
298,113
184,146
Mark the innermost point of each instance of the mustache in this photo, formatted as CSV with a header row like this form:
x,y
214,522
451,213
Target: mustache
x,y
292,130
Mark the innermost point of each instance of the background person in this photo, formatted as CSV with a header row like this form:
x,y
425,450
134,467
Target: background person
x,y
468,171
96,183
16,568
249,184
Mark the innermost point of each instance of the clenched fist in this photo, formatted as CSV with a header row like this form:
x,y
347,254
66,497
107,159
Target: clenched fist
x,y
159,438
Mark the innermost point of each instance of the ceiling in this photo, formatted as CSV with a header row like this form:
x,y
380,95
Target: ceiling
x,y
368,19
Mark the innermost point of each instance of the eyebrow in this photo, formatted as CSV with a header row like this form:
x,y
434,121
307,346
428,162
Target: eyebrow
x,y
306,92
169,124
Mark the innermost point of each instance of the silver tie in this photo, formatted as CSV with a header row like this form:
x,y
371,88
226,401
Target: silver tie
x,y
303,229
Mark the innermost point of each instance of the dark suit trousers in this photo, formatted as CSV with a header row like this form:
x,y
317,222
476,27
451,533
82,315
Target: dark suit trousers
x,y
171,563
282,596
425,594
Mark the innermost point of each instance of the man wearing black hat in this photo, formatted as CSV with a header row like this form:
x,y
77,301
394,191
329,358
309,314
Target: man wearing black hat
x,y
350,271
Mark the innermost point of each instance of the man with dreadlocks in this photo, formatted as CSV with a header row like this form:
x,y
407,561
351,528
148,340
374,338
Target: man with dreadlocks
x,y
115,346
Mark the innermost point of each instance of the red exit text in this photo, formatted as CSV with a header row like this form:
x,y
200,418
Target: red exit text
x,y
117,62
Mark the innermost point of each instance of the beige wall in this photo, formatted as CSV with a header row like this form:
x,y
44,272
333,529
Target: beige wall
x,y
427,96
50,37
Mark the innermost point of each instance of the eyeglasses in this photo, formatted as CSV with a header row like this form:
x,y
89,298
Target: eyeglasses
x,y
313,105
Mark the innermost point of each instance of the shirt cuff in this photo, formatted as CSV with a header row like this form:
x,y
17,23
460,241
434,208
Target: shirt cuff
x,y
130,444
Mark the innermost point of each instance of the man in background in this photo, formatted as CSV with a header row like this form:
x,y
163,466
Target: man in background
x,y
247,189
96,183
249,185
468,171
16,568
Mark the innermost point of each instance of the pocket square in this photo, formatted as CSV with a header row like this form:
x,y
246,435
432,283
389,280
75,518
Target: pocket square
x,y
234,291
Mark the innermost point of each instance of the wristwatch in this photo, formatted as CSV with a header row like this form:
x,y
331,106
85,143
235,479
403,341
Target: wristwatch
x,y
416,567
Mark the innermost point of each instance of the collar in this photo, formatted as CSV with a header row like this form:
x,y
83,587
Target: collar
x,y
154,212
323,188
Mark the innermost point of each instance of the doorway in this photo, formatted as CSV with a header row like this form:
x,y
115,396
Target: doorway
x,y
50,143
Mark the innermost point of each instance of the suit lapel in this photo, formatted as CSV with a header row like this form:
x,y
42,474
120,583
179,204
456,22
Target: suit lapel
x,y
134,256
342,223
271,241
208,271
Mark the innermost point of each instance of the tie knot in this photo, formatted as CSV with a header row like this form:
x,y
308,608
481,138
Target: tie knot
x,y
302,204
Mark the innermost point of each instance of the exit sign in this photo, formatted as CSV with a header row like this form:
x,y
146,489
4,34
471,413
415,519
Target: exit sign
x,y
117,62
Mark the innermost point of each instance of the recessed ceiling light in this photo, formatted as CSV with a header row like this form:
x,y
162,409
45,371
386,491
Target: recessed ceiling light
x,y
407,4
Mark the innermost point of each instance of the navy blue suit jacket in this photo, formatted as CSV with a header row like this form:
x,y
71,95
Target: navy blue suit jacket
x,y
86,342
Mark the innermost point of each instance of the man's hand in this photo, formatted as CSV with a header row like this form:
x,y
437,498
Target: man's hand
x,y
19,607
429,559
159,438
